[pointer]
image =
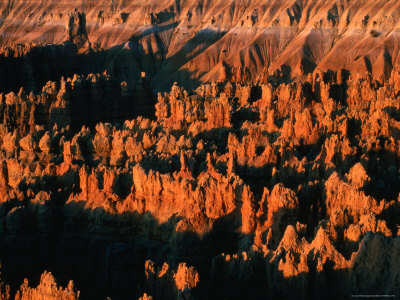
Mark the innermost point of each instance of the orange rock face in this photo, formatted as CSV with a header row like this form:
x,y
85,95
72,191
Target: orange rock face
x,y
222,40
47,289
190,150
263,201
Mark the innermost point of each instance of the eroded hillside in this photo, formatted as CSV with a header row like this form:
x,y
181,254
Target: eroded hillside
x,y
195,41
199,149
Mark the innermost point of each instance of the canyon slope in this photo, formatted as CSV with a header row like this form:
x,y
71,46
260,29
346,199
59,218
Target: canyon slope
x,y
192,41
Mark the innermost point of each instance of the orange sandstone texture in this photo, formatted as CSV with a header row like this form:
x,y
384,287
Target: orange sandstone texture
x,y
252,195
191,42
47,289
266,166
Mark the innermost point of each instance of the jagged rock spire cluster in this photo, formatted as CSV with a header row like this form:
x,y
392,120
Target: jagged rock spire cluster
x,y
254,187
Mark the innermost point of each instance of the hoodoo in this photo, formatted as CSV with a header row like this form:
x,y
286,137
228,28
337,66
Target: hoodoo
x,y
182,149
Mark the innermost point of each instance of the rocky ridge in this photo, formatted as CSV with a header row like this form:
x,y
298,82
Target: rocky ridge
x,y
192,42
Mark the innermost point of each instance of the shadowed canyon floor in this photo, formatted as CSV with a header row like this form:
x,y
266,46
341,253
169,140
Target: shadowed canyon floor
x,y
199,149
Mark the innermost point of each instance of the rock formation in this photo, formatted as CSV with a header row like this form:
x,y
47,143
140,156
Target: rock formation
x,y
76,30
267,166
253,194
47,289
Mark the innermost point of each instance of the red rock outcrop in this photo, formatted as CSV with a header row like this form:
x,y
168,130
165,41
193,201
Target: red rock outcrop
x,y
166,283
258,187
47,289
